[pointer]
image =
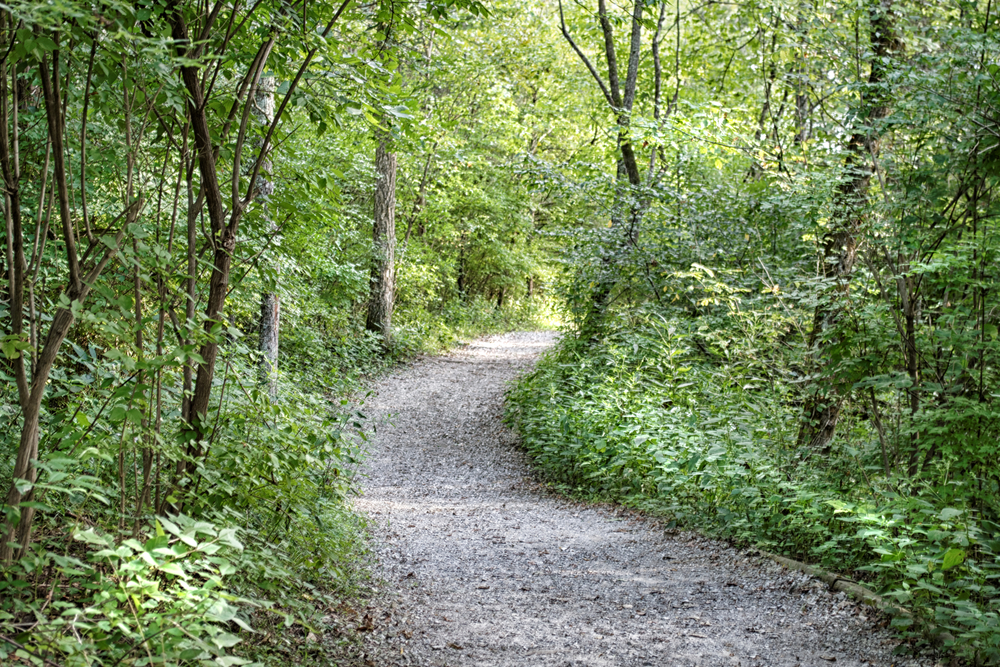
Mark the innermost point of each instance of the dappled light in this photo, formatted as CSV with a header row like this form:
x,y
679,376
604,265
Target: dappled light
x,y
727,267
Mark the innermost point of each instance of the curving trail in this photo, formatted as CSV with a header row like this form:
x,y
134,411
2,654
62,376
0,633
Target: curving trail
x,y
485,567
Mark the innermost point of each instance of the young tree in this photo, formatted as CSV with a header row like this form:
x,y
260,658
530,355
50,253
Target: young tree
x,y
839,249
81,270
382,284
270,304
619,91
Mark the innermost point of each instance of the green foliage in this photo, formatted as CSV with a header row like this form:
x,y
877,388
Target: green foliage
x,y
811,252
642,418
236,558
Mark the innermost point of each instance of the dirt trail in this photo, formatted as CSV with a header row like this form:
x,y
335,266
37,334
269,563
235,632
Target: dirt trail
x,y
487,568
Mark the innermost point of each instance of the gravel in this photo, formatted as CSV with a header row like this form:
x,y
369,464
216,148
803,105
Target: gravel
x,y
481,565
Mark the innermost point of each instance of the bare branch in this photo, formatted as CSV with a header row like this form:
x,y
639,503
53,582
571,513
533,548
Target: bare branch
x,y
635,44
583,57
609,49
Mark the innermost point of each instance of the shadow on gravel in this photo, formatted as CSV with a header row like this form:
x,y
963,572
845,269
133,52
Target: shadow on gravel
x,y
483,566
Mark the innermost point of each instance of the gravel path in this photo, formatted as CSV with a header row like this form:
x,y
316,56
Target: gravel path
x,y
485,567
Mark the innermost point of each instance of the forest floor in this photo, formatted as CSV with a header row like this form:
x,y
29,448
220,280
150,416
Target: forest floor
x,y
481,565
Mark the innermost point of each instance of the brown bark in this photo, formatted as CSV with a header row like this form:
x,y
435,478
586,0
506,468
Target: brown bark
x,y
27,453
12,218
32,391
223,232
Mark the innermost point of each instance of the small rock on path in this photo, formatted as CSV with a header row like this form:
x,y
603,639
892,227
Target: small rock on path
x,y
490,569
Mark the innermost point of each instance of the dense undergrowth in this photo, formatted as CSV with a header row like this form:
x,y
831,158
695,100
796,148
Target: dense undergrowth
x,y
641,415
190,189
264,546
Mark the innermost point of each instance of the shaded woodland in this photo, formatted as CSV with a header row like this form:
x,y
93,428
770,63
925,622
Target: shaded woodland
x,y
766,228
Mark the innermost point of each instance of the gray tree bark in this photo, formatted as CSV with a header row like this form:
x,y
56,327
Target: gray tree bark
x,y
626,211
383,273
270,303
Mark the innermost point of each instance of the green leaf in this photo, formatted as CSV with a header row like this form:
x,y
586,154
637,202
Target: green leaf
x,y
952,558
173,568
949,513
229,660
225,640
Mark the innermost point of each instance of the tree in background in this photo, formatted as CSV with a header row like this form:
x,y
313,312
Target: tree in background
x,y
839,249
382,297
619,92
270,302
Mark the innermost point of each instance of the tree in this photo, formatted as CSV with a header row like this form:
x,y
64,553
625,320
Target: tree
x,y
270,304
382,295
620,94
839,249
383,272
81,273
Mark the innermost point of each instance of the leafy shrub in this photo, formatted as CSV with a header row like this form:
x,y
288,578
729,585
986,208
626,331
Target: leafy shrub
x,y
643,416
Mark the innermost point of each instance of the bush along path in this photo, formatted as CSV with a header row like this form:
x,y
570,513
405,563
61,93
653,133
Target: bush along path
x,y
483,566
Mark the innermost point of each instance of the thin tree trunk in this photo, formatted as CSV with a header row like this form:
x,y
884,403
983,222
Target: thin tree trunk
x,y
223,231
270,304
79,284
840,245
383,273
421,200
626,209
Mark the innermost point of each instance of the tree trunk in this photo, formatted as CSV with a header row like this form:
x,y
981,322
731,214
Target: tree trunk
x,y
383,273
223,231
840,247
16,531
270,304
626,209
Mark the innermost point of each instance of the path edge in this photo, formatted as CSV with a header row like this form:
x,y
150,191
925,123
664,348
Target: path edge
x,y
937,637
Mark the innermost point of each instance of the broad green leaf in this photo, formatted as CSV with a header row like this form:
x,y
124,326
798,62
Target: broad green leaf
x,y
952,557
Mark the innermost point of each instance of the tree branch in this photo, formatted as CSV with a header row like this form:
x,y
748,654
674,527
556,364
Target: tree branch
x,y
583,57
609,50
